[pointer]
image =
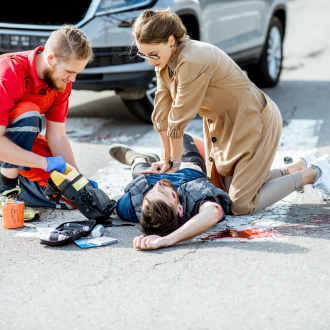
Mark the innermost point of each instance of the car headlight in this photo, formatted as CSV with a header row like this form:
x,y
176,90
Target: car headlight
x,y
114,6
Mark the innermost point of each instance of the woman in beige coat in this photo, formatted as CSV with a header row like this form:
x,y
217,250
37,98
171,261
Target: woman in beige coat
x,y
242,125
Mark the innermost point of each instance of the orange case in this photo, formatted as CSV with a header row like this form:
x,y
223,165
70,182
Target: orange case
x,y
13,214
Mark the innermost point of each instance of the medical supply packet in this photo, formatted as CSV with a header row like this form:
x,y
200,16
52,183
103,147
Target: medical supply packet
x,y
86,243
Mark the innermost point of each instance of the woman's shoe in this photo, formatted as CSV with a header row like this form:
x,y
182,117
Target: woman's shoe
x,y
323,182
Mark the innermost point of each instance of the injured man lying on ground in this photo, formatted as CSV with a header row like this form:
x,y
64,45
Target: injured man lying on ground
x,y
170,207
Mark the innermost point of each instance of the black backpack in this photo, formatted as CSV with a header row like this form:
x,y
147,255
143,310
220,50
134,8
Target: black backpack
x,y
92,202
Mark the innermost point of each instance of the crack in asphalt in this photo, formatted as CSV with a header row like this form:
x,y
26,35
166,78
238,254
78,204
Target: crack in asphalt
x,y
104,279
179,259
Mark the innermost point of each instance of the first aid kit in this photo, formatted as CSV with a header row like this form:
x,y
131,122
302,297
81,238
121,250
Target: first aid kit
x,y
13,214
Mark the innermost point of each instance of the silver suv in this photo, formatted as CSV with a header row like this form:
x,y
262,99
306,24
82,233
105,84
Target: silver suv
x,y
250,31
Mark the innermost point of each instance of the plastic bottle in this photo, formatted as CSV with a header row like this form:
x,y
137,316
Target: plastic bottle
x,y
97,231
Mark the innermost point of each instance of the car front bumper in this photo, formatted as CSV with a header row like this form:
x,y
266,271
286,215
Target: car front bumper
x,y
109,81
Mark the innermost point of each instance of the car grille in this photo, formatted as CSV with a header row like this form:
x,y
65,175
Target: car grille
x,y
113,56
102,56
18,43
37,12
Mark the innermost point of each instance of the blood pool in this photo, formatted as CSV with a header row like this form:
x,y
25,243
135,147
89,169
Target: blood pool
x,y
316,225
251,233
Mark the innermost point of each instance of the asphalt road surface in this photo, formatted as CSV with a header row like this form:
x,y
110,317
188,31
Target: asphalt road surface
x,y
280,279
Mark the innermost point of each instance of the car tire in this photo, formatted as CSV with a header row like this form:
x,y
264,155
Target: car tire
x,y
266,72
143,108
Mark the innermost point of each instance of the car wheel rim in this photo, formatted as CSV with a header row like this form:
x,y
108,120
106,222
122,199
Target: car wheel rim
x,y
274,52
151,91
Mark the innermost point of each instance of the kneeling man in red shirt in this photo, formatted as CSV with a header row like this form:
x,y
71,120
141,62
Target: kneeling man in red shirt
x,y
35,83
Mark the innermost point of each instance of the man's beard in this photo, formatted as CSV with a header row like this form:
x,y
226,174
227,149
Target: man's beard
x,y
50,81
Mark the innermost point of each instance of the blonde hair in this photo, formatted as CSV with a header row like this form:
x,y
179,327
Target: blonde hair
x,y
69,43
155,27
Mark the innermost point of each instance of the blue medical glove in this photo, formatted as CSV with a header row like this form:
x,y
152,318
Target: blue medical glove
x,y
95,185
56,163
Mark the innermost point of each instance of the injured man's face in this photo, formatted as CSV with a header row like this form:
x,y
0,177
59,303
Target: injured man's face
x,y
164,190
161,209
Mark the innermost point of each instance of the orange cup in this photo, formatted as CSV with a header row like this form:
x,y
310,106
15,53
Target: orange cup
x,y
12,214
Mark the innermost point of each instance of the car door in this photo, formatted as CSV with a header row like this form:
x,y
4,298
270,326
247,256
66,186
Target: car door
x,y
234,25
253,22
221,23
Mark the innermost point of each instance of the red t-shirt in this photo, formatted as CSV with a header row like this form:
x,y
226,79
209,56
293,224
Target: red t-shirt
x,y
13,87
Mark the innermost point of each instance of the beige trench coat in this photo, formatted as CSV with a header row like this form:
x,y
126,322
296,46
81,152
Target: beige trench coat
x,y
242,125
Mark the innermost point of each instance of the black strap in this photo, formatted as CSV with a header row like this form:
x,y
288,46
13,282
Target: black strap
x,y
66,182
52,190
54,237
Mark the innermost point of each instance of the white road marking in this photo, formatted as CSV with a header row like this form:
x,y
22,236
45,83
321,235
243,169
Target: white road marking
x,y
80,127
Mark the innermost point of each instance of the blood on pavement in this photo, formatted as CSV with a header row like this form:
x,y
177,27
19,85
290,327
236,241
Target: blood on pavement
x,y
233,233
319,224
325,219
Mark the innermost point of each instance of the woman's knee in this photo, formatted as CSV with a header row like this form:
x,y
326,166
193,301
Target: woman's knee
x,y
242,206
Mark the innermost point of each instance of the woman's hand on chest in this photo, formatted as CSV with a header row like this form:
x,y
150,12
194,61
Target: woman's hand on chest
x,y
158,168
